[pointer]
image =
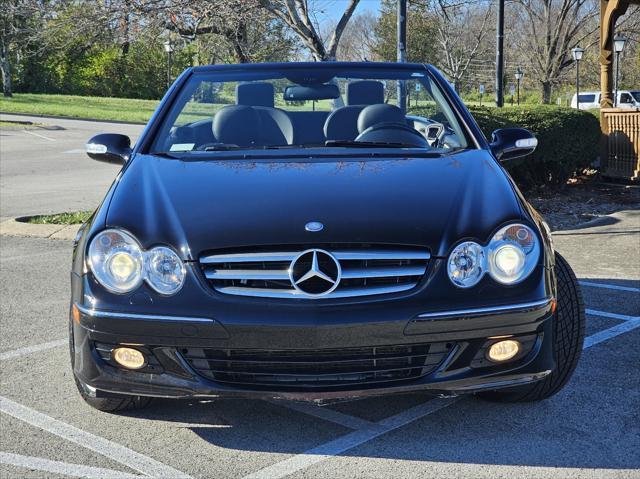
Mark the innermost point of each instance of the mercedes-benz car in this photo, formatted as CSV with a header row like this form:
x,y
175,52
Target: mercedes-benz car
x,y
314,231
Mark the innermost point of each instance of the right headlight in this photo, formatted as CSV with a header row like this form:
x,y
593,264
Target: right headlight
x,y
509,258
119,263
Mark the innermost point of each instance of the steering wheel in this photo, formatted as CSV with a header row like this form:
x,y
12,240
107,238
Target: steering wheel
x,y
393,133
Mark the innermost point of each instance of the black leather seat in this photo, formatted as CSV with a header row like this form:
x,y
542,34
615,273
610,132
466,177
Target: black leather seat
x,y
342,124
253,121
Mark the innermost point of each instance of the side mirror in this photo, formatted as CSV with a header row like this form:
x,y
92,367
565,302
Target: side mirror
x,y
110,148
509,143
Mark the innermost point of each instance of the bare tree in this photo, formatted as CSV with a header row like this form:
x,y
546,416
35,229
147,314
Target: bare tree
x,y
463,29
358,39
547,30
298,16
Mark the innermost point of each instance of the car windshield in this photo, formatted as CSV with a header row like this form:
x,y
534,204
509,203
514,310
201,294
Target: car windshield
x,y
309,106
636,95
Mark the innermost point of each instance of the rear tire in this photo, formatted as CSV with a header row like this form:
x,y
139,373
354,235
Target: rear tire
x,y
568,336
104,402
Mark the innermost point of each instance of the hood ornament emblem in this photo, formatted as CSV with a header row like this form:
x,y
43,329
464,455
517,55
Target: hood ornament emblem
x,y
314,226
315,272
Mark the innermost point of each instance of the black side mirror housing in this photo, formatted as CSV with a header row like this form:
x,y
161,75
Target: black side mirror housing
x,y
509,143
109,148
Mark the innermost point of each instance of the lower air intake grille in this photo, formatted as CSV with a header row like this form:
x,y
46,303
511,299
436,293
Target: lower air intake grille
x,y
342,271
315,369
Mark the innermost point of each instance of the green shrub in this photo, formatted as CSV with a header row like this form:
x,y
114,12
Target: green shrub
x,y
568,140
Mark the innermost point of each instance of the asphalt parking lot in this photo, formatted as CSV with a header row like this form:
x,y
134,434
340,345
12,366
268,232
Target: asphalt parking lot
x,y
590,429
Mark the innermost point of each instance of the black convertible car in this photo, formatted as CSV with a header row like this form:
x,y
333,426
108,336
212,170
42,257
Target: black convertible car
x,y
293,230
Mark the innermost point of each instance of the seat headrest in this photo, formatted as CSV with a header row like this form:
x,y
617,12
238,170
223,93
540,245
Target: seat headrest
x,y
255,94
382,113
365,92
236,125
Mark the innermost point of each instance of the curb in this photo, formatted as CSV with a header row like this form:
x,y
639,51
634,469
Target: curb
x,y
58,117
18,228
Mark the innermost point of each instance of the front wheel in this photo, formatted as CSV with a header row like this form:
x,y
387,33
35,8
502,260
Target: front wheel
x,y
107,403
568,336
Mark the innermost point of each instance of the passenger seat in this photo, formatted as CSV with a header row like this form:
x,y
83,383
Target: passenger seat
x,y
253,121
342,124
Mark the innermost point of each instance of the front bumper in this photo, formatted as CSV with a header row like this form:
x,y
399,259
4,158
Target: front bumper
x,y
457,339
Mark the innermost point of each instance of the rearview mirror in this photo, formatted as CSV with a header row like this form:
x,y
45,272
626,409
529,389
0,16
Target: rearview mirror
x,y
509,143
109,148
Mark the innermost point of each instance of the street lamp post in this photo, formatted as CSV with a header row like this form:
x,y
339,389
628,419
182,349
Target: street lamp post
x,y
519,75
577,56
618,46
168,47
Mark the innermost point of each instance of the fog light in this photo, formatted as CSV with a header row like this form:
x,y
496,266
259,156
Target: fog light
x,y
503,350
128,357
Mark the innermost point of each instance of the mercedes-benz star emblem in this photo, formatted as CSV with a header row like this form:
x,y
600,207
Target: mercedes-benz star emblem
x,y
315,272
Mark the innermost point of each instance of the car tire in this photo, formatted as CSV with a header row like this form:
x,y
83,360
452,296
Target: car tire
x,y
107,403
568,337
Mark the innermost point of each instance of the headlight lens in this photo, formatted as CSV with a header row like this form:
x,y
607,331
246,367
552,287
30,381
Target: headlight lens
x,y
116,260
466,264
120,264
509,258
513,254
164,270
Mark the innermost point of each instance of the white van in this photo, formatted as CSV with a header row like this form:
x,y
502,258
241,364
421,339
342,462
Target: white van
x,y
591,99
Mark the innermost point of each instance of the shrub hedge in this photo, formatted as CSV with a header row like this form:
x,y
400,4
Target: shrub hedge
x,y
568,140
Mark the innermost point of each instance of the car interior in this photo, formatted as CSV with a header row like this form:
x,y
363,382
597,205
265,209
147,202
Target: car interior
x,y
254,121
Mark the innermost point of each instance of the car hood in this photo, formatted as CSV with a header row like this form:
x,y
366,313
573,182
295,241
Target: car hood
x,y
196,206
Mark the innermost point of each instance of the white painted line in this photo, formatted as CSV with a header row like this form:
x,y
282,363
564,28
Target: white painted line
x,y
112,450
611,333
604,314
360,436
65,468
609,286
77,150
38,135
325,413
16,353
349,441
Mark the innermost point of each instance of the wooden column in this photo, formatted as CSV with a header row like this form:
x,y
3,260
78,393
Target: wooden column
x,y
610,11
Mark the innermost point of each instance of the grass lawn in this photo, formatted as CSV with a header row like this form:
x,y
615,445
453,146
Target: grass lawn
x,y
73,218
122,109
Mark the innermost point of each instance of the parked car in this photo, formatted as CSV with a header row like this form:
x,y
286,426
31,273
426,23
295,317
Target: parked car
x,y
289,230
591,99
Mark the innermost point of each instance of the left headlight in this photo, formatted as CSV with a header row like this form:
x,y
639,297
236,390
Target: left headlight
x,y
513,253
119,263
510,256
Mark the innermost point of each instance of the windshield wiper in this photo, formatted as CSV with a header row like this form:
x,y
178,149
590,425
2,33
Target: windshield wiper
x,y
165,154
368,144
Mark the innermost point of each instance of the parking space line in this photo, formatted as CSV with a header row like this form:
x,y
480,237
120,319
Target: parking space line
x,y
609,286
65,468
605,314
38,135
105,447
325,413
349,441
32,349
360,436
611,333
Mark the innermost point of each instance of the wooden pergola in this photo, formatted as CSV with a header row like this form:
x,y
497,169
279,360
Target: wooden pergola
x,y
620,127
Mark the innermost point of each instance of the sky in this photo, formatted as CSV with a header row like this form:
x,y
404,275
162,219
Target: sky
x,y
331,10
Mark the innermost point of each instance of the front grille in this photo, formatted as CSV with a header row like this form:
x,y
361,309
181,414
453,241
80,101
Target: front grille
x,y
365,271
318,368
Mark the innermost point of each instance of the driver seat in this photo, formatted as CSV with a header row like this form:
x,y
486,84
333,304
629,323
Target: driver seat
x,y
342,124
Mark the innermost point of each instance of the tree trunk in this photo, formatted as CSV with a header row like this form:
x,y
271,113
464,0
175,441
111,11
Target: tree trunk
x,y
5,66
546,92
